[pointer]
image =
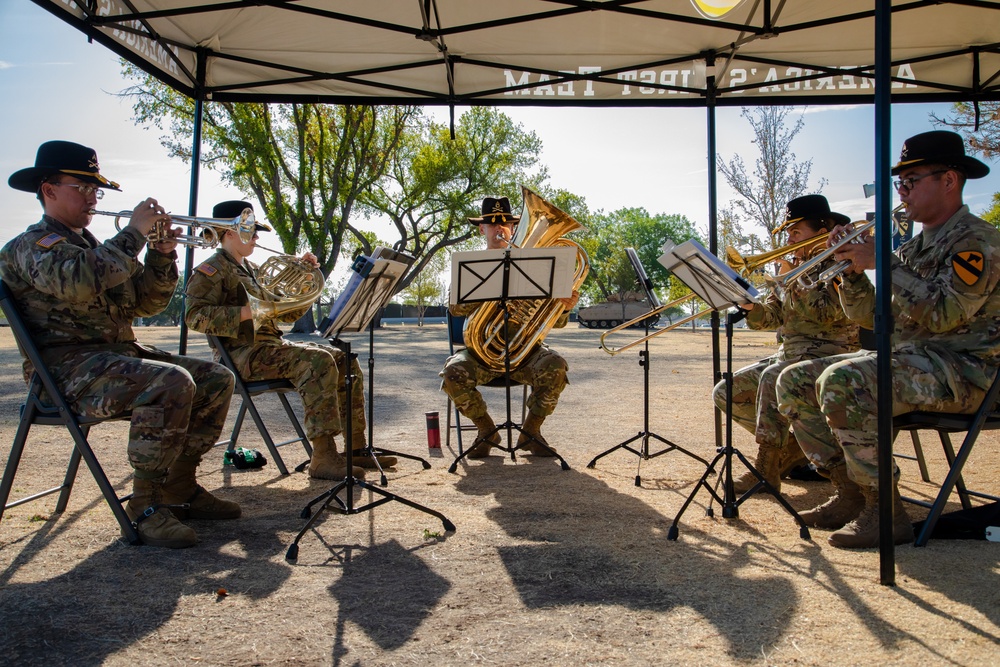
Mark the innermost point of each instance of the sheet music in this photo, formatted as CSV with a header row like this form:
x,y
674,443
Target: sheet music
x,y
707,275
369,288
535,273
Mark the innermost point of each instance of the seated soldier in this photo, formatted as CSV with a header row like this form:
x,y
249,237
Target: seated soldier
x,y
812,324
543,369
218,303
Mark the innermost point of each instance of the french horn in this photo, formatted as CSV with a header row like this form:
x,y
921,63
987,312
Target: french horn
x,y
529,320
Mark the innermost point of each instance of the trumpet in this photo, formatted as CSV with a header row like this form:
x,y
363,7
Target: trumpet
x,y
211,228
800,273
656,311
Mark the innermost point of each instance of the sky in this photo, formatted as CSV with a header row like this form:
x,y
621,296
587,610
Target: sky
x,y
54,85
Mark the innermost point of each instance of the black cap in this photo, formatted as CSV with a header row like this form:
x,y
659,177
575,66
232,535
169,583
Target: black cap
x,y
61,157
939,147
234,208
496,211
810,207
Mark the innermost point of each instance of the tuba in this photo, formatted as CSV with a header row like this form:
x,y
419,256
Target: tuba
x,y
529,320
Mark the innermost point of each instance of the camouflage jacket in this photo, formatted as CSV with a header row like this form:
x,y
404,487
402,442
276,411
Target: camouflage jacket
x,y
76,293
811,321
216,292
945,298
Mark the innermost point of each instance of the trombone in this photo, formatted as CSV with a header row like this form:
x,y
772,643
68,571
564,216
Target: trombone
x,y
801,272
656,311
244,224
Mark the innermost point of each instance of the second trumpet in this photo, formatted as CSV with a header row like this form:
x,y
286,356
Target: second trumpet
x,y
210,228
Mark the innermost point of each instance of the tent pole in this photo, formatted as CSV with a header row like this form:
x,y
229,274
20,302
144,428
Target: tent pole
x,y
883,280
193,195
713,225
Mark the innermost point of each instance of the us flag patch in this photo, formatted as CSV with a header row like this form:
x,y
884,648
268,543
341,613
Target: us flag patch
x,y
968,266
207,269
48,241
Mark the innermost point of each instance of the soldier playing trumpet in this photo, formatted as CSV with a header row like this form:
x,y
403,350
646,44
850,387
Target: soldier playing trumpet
x,y
811,324
79,298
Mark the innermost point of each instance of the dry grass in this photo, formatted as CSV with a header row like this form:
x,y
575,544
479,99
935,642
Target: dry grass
x,y
546,566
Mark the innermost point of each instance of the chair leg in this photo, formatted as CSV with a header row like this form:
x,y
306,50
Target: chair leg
x,y
949,453
14,459
918,454
238,424
70,478
266,436
296,425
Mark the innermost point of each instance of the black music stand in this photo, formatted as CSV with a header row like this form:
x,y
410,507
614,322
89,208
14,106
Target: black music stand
x,y
721,288
644,361
367,293
329,324
509,275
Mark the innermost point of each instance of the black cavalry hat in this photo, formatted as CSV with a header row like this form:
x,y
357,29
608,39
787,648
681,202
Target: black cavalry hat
x,y
234,208
810,207
61,157
939,147
496,211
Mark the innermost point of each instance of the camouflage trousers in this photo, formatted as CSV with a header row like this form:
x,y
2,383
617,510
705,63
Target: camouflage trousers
x,y
178,404
832,404
318,373
544,371
755,405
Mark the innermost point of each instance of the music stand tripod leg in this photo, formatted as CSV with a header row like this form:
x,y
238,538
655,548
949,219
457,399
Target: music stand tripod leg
x,y
730,503
346,506
643,452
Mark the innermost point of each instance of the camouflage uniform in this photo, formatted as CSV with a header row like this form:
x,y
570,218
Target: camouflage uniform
x,y
813,325
544,370
79,298
946,306
217,290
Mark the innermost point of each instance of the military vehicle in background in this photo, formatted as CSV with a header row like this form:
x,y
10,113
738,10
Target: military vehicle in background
x,y
615,311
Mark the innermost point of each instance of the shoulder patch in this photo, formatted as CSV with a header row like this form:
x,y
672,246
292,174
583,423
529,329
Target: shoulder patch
x,y
968,266
48,241
207,269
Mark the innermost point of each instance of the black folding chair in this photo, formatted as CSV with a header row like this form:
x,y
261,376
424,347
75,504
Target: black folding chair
x,y
246,391
456,342
46,406
985,418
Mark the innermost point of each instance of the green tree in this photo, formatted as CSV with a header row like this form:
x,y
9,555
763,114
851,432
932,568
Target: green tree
x,y
426,288
434,183
978,123
612,276
776,178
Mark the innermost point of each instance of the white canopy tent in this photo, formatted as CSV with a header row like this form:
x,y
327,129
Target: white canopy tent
x,y
699,53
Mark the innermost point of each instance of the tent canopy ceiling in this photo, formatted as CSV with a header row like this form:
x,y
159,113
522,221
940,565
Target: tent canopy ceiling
x,y
548,52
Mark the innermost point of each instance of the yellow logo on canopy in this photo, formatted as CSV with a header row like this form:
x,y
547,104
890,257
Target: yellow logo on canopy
x,y
715,9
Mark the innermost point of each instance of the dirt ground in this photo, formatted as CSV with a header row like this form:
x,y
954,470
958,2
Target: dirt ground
x,y
545,566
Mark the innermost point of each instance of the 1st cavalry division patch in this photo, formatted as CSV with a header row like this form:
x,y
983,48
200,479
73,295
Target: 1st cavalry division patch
x,y
968,266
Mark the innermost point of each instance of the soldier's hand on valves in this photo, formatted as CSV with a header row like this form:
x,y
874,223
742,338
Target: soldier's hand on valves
x,y
167,246
145,215
860,252
311,259
569,302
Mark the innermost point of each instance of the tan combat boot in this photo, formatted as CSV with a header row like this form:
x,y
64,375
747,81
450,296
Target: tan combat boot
x,y
843,506
328,463
532,429
156,526
769,464
181,487
486,438
862,533
363,459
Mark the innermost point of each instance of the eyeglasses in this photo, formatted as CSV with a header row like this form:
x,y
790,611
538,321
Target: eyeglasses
x,y
908,182
85,190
